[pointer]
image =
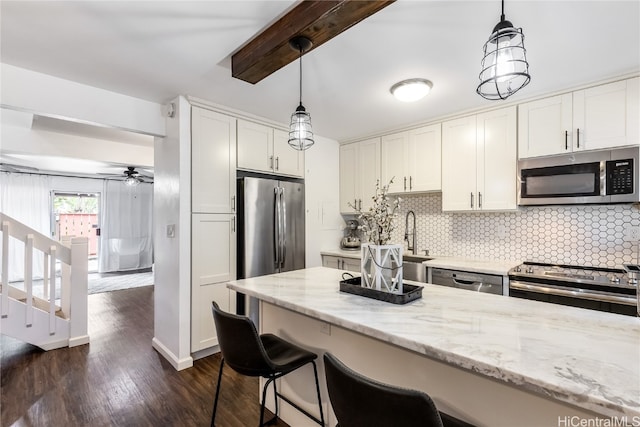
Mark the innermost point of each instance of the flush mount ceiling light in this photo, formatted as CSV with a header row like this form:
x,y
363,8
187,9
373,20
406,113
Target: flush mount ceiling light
x,y
504,66
300,132
411,90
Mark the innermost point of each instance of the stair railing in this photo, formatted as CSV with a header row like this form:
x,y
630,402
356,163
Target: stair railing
x,y
72,253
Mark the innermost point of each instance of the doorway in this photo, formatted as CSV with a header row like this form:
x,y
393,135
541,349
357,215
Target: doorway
x,y
78,214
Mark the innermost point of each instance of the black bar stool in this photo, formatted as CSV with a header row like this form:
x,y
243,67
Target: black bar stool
x,y
359,401
254,355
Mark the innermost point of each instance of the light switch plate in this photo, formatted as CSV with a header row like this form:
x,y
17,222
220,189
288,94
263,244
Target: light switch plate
x,y
171,231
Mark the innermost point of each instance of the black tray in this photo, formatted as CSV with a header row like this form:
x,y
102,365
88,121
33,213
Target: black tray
x,y
410,292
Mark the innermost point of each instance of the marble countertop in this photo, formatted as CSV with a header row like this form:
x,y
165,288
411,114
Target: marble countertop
x,y
342,253
477,266
453,263
586,358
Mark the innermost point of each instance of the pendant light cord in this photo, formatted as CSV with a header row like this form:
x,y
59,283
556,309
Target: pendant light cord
x,y
300,49
502,16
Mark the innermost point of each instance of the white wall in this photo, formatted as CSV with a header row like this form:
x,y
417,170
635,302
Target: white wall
x,y
323,221
39,93
172,201
19,138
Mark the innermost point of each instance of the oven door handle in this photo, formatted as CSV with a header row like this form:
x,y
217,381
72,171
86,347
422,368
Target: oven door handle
x,y
566,292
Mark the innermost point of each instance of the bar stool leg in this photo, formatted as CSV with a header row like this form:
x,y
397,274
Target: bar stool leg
x,y
215,401
315,373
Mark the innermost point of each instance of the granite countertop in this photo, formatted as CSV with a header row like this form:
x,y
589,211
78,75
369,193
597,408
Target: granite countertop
x,y
586,358
498,267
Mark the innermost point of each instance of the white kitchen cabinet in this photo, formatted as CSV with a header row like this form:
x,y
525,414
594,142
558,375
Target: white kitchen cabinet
x,y
341,263
359,173
600,117
213,264
213,159
479,162
265,149
413,160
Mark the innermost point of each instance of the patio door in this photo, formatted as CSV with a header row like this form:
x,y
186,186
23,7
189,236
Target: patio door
x,y
77,214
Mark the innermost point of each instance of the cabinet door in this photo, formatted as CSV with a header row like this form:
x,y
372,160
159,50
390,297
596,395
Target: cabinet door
x,y
394,162
255,146
545,126
288,161
213,160
213,264
459,164
606,116
348,173
368,171
425,159
496,159
330,261
351,264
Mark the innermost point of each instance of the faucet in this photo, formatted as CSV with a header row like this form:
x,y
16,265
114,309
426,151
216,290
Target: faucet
x,y
411,245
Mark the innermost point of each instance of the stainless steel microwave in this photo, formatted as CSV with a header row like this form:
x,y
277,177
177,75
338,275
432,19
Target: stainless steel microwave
x,y
608,176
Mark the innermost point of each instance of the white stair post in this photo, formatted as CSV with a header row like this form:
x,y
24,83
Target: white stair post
x,y
28,278
78,333
5,269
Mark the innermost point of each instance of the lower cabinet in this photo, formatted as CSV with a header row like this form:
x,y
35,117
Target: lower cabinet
x,y
341,263
213,264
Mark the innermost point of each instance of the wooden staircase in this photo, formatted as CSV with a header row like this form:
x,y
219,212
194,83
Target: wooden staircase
x,y
41,321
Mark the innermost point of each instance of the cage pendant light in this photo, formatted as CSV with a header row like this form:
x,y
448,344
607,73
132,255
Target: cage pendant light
x,y
504,65
300,131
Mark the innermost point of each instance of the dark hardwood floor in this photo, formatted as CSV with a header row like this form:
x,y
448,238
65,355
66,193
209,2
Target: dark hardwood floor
x,y
118,379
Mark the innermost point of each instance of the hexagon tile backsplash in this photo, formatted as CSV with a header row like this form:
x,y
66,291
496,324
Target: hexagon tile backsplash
x,y
592,235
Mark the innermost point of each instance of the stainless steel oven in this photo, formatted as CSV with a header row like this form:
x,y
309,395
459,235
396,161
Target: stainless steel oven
x,y
609,176
604,289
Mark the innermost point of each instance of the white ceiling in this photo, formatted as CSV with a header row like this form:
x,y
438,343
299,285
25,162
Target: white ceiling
x,y
155,50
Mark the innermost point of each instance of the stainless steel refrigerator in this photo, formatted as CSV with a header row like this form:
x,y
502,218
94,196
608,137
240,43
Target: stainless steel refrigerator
x,y
270,227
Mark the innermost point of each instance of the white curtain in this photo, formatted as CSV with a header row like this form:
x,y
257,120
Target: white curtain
x,y
26,198
126,227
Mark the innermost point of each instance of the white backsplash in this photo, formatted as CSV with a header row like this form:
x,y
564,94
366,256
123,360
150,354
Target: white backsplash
x,y
576,235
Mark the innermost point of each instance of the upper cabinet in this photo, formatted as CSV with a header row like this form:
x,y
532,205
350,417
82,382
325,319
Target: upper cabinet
x,y
359,173
213,159
479,162
264,149
413,160
600,117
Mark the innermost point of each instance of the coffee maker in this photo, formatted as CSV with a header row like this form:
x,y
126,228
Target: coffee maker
x,y
351,240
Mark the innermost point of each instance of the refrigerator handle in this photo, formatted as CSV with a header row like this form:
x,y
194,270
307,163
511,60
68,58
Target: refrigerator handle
x,y
283,229
276,227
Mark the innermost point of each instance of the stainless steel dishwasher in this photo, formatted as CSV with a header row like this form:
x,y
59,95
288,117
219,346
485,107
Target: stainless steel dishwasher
x,y
479,282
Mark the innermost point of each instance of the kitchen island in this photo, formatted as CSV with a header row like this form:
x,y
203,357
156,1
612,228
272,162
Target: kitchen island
x,y
488,359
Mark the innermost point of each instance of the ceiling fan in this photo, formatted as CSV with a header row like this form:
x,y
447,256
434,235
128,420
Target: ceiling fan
x,y
133,177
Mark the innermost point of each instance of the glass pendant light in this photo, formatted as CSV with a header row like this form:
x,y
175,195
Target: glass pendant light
x,y
504,66
300,132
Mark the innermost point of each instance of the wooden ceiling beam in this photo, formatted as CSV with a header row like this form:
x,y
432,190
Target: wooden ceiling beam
x,y
319,21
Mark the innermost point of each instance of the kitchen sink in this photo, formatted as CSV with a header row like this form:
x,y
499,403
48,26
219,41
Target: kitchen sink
x,y
413,269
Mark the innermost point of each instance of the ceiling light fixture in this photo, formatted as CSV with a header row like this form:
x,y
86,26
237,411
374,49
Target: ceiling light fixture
x,y
504,66
131,181
300,132
411,90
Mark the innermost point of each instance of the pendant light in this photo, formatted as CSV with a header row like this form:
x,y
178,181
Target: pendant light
x,y
300,132
504,66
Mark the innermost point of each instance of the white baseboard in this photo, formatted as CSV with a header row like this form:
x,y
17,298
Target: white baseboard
x,y
178,364
206,352
81,340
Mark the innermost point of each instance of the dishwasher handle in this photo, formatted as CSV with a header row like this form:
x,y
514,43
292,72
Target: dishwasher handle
x,y
465,282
